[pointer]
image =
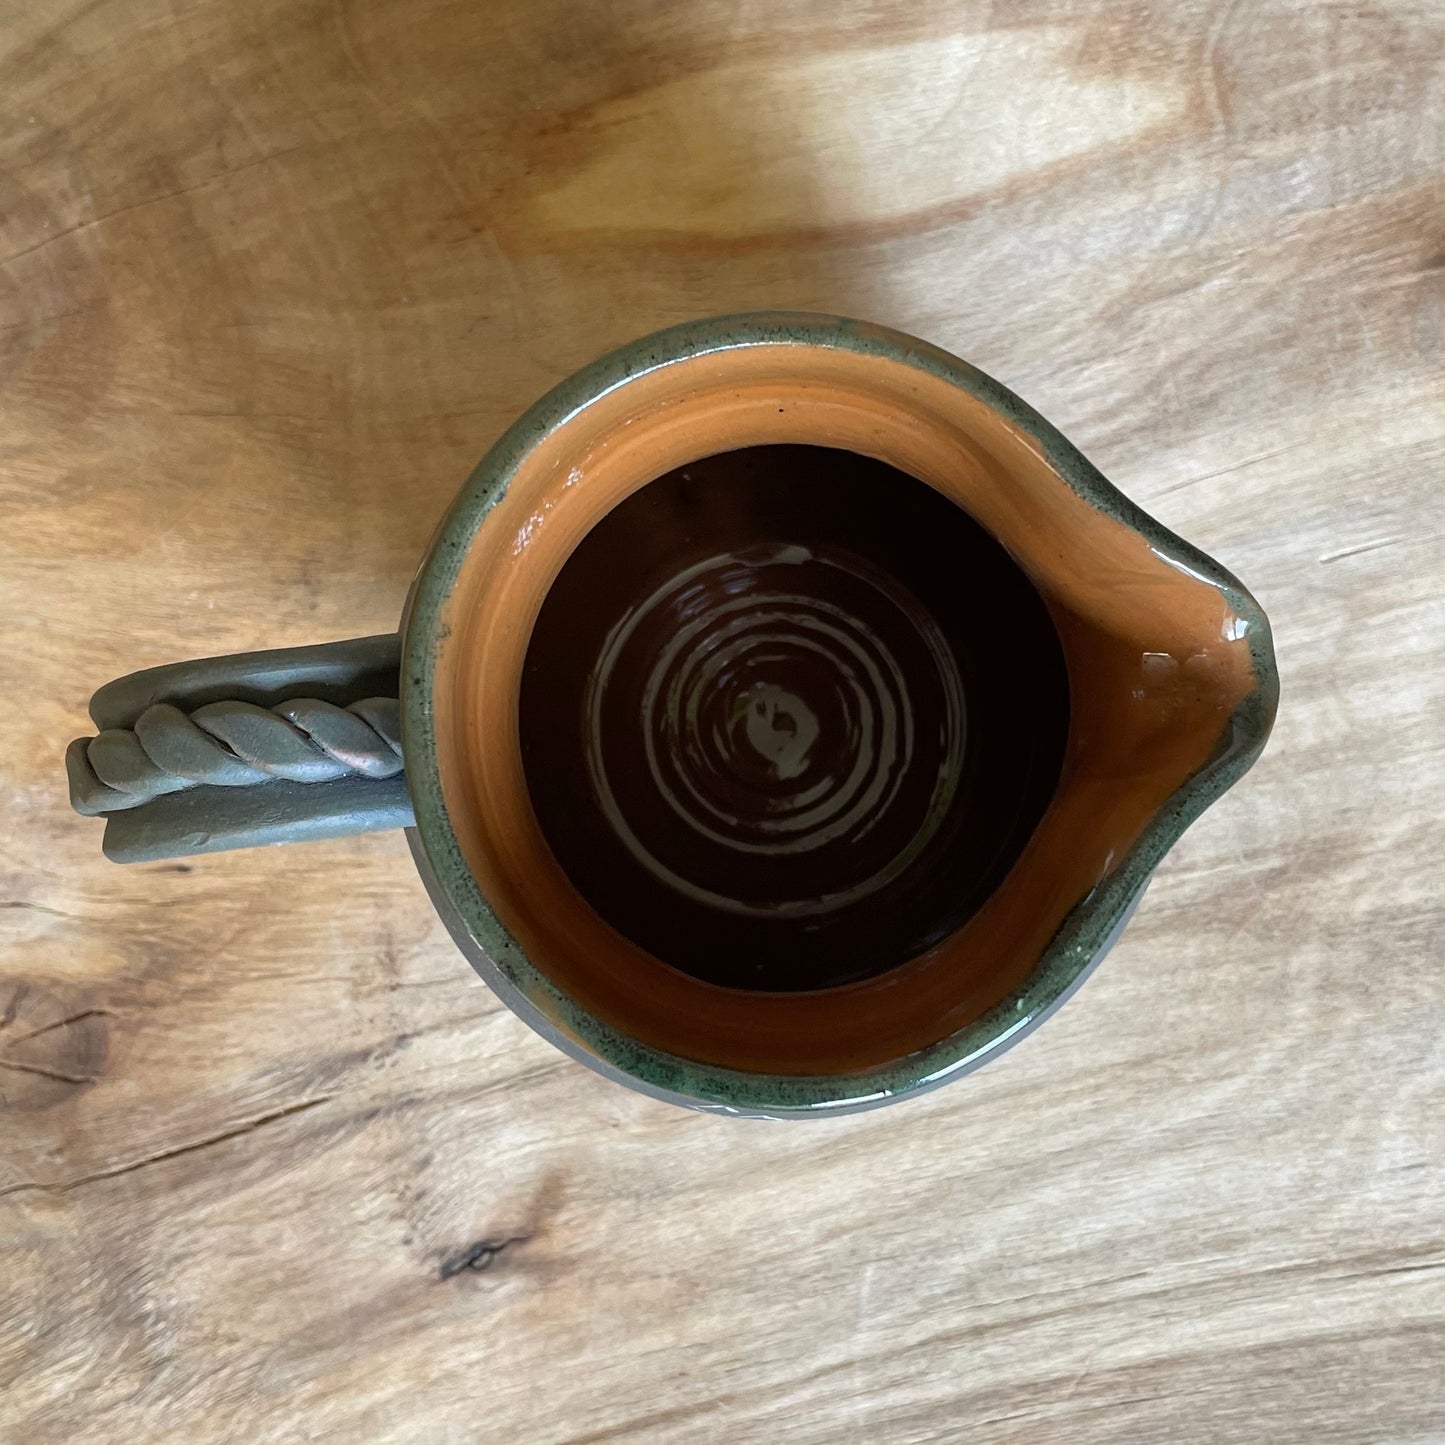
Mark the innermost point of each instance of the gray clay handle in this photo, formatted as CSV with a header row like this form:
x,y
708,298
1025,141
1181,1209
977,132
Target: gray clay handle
x,y
231,752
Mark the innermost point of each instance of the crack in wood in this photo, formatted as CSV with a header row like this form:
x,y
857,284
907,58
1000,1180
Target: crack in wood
x,y
44,1073
478,1257
41,908
89,1013
161,1156
1427,1267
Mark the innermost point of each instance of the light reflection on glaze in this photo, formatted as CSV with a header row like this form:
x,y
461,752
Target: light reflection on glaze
x,y
775,722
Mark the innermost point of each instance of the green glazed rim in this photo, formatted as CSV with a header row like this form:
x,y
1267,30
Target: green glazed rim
x,y
1087,931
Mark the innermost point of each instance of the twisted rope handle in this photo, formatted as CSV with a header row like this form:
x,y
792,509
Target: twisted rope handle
x,y
232,744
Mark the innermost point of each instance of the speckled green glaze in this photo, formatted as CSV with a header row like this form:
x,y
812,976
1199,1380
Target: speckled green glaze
x,y
1087,932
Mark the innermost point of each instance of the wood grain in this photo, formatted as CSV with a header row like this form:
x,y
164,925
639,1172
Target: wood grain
x,y
274,1166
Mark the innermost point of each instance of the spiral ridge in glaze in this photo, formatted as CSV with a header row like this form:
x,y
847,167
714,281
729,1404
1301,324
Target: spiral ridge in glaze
x,y
779,722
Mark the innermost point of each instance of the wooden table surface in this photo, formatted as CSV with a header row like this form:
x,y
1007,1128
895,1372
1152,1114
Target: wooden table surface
x,y
274,275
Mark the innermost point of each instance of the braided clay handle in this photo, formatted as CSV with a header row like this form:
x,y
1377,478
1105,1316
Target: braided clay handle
x,y
230,752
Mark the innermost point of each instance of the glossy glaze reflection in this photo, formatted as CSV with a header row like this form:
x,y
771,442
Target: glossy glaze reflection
x,y
748,718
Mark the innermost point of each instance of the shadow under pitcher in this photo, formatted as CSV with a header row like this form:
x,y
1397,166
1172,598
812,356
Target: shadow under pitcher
x,y
785,718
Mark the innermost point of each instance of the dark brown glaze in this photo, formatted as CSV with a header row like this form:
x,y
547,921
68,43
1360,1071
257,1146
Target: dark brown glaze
x,y
773,722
